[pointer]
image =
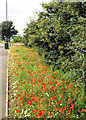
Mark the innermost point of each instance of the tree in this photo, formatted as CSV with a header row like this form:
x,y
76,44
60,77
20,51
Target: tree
x,y
8,30
18,38
58,32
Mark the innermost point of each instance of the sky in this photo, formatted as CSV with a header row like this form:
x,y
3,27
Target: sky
x,y
20,11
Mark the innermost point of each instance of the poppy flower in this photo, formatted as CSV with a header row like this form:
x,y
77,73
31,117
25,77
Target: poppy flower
x,y
33,111
69,111
64,108
48,113
43,111
40,114
60,101
62,111
56,109
17,111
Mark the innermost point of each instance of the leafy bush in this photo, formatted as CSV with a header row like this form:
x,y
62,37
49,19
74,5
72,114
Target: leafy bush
x,y
58,33
18,38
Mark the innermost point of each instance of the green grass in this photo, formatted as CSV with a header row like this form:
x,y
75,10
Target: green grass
x,y
36,91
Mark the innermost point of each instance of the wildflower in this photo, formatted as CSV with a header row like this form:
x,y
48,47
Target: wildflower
x,y
82,110
79,98
56,109
57,103
55,88
61,96
72,104
25,93
37,110
64,108
69,111
33,111
50,116
24,83
72,107
60,101
17,111
20,105
48,113
30,104
62,111
43,111
57,84
69,99
40,114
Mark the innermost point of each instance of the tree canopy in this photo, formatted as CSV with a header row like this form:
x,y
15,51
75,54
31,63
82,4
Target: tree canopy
x,y
8,30
58,33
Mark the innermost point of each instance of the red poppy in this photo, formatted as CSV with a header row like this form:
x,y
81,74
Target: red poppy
x,y
82,110
72,107
30,104
40,114
50,116
17,111
64,108
61,96
33,111
47,99
43,111
39,99
45,90
37,110
55,88
24,83
25,93
62,111
68,118
79,98
37,116
20,105
57,103
56,109
60,101
57,84
48,113
69,111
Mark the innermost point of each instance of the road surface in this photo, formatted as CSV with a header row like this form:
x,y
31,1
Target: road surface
x,y
3,80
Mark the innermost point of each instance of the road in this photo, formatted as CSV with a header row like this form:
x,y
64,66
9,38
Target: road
x,y
3,80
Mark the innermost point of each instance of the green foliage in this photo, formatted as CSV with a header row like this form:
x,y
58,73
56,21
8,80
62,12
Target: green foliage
x,y
58,33
8,30
18,38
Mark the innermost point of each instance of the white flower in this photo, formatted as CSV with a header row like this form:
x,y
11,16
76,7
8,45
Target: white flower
x,y
47,94
52,102
60,104
25,112
57,112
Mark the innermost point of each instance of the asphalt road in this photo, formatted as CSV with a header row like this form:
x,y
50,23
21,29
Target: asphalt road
x,y
3,80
